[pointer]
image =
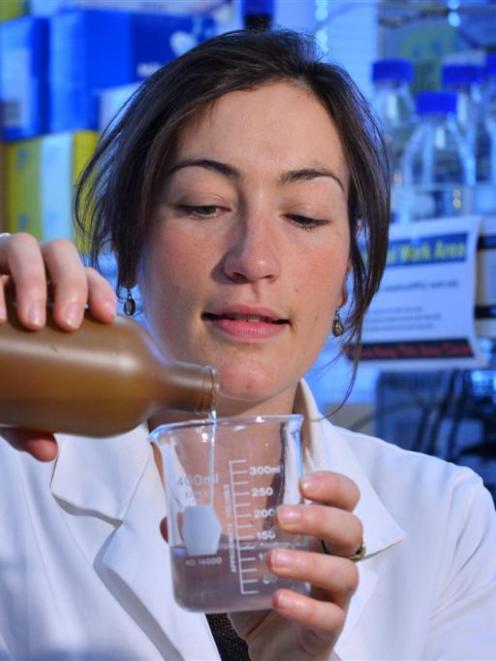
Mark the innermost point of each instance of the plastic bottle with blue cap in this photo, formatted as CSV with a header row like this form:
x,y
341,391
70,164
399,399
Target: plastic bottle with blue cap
x,y
393,103
489,92
464,79
485,144
438,166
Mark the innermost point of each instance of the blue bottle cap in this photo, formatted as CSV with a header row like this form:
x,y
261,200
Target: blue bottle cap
x,y
461,74
265,7
392,70
429,103
491,64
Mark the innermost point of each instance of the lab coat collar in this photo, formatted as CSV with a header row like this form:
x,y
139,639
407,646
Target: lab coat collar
x,y
329,449
100,476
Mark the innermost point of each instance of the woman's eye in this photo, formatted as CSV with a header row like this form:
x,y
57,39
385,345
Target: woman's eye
x,y
307,222
198,211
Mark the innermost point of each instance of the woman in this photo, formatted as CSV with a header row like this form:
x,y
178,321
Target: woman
x,y
234,192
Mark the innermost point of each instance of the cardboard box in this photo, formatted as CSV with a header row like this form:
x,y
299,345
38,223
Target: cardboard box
x,y
158,39
23,187
97,52
12,9
3,189
84,146
112,103
23,77
63,158
182,7
103,49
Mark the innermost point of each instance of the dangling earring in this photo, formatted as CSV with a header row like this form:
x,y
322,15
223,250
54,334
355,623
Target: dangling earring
x,y
337,325
129,304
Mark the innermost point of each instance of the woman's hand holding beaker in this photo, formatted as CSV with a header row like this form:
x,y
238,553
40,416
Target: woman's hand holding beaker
x,y
307,627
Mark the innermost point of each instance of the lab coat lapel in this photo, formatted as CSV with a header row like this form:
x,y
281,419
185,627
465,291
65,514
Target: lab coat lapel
x,y
330,450
137,560
121,536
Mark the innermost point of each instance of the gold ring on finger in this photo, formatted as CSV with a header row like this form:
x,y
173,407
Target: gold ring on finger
x,y
355,557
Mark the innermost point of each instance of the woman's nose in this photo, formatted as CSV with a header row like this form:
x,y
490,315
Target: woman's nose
x,y
252,254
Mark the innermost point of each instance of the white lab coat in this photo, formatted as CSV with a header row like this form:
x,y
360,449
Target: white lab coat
x,y
85,574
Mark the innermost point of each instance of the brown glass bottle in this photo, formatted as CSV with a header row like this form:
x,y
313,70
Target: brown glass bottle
x,y
100,380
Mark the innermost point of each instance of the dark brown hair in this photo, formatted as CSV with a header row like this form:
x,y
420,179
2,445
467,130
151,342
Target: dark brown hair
x,y
118,191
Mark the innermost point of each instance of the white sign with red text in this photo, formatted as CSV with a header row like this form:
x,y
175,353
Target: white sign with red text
x,y
423,316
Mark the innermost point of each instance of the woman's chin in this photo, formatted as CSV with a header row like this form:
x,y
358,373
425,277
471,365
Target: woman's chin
x,y
249,395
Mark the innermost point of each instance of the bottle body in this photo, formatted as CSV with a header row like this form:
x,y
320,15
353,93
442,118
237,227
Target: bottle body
x,y
463,80
101,380
393,104
489,93
485,145
438,167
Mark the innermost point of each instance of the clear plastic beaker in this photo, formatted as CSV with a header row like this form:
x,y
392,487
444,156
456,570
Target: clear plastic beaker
x,y
224,480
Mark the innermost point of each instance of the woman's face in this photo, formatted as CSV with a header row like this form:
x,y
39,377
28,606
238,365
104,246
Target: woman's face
x,y
245,263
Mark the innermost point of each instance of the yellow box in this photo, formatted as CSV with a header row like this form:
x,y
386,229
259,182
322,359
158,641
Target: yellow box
x,y
3,190
63,156
84,147
12,9
23,187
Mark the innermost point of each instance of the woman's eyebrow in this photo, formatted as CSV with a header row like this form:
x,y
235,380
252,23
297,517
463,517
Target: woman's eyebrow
x,y
209,164
307,174
302,174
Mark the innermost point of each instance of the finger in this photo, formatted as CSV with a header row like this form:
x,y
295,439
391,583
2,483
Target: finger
x,y
322,620
3,308
341,530
69,283
20,257
336,578
102,301
39,445
3,282
164,530
331,488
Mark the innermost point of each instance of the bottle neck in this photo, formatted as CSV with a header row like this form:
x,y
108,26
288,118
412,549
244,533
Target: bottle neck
x,y
185,387
439,120
399,86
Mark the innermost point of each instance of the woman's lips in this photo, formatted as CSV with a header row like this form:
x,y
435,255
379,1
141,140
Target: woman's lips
x,y
247,325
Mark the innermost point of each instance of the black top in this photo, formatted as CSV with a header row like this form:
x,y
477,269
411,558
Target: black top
x,y
231,647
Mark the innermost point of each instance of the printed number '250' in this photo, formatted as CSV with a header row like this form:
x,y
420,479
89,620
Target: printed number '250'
x,y
262,491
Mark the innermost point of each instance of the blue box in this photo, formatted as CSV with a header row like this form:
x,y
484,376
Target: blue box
x,y
159,38
24,55
92,50
89,50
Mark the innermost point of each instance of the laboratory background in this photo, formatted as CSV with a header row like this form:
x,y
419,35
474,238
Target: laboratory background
x,y
427,378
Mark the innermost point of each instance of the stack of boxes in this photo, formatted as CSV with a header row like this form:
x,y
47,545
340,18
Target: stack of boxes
x,y
8,10
62,78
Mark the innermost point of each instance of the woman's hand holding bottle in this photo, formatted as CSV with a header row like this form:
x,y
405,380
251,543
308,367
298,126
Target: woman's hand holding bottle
x,y
36,272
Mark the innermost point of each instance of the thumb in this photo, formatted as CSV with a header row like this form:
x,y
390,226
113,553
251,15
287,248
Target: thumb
x,y
40,445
